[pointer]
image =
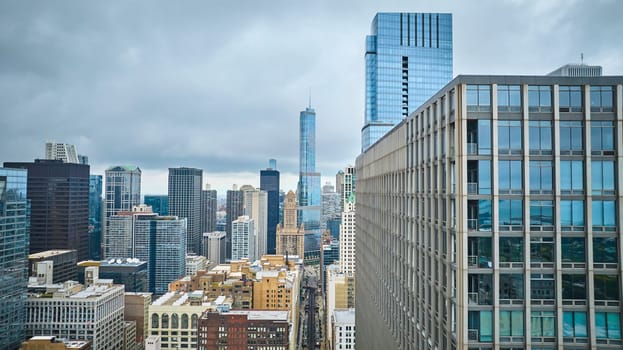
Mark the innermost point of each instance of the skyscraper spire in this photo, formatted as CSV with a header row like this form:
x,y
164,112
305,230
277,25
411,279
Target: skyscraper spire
x,y
309,99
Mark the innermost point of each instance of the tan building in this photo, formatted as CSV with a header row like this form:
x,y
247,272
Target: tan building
x,y
136,309
129,335
51,343
290,237
340,294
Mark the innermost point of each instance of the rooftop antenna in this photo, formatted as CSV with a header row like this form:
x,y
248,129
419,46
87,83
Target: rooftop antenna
x,y
309,98
582,58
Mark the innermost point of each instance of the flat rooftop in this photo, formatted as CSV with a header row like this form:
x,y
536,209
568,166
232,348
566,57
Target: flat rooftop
x,y
49,253
269,315
344,316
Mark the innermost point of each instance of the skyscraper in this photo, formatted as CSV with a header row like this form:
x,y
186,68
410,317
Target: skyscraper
x,y
96,215
14,222
59,201
243,238
185,202
158,203
269,182
408,58
235,205
309,205
255,205
120,238
491,218
61,151
290,236
208,210
123,188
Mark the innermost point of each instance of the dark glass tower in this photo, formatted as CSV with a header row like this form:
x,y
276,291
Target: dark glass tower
x,y
14,217
208,210
158,203
185,202
95,217
59,199
408,59
269,182
235,201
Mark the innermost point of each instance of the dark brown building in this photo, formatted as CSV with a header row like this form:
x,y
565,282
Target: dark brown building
x,y
244,329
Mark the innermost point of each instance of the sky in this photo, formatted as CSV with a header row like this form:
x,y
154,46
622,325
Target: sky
x,y
219,85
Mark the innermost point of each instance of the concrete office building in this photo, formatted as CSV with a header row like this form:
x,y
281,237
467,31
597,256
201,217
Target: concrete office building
x,y
63,264
131,273
243,238
195,263
185,202
123,189
214,247
255,206
489,218
343,324
120,238
137,310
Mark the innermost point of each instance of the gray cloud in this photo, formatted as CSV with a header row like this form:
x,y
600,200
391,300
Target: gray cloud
x,y
219,85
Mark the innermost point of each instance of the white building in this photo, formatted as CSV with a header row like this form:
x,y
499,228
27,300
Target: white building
x,y
195,263
347,238
243,238
153,342
214,246
343,322
255,206
71,311
61,151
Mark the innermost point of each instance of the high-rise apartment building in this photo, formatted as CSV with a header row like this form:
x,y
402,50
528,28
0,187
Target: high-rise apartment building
x,y
290,236
348,237
159,203
243,238
408,59
255,207
96,217
235,209
209,206
269,182
120,240
490,218
123,189
62,151
185,202
214,246
14,225
331,207
59,205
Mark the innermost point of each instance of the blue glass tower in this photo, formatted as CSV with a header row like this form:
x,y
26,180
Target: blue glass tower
x,y
408,59
14,234
309,205
95,216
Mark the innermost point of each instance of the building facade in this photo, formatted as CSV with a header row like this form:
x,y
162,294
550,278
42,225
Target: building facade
x,y
290,236
120,238
195,263
123,189
96,217
209,206
343,324
185,202
348,237
408,59
269,182
14,228
243,238
137,310
255,206
489,218
173,317
214,247
63,264
235,209
61,151
158,203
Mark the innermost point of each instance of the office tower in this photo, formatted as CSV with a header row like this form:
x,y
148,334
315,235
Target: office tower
x,y
14,225
62,151
82,159
339,176
290,236
498,224
137,310
255,207
161,241
96,215
185,202
331,206
73,311
309,182
59,202
577,70
195,263
343,324
408,58
131,273
209,206
120,240
330,253
158,203
123,189
214,247
62,264
282,199
269,182
243,238
235,203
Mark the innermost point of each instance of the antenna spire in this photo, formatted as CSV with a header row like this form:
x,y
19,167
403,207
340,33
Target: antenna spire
x,y
309,98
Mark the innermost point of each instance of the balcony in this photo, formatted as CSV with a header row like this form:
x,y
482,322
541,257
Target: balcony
x,y
472,148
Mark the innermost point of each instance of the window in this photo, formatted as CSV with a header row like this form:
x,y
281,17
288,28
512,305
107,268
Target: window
x,y
574,249
479,252
574,324
541,177
511,286
602,99
607,325
602,137
572,215
154,321
573,286
571,176
509,137
602,177
542,249
571,139
479,176
543,324
480,289
510,176
606,287
509,98
542,215
478,98
540,137
511,324
511,214
511,249
542,286
479,215
480,325
479,137
165,321
570,98
604,215
540,98
605,250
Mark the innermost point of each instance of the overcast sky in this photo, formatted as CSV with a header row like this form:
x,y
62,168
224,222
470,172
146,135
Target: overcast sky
x,y
219,85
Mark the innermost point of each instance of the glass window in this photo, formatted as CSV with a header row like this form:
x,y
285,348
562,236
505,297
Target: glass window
x,y
509,98
484,137
511,249
607,325
481,214
511,286
478,98
165,321
542,214
606,287
480,289
573,286
604,214
571,139
574,324
602,99
540,137
542,250
479,252
574,249
154,321
509,137
511,324
572,176
542,286
605,250
543,324
541,177
510,176
602,177
602,137
479,176
511,213
540,98
570,98
481,323
572,214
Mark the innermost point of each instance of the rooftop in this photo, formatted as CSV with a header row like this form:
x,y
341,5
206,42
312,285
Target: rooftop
x,y
344,316
49,253
261,314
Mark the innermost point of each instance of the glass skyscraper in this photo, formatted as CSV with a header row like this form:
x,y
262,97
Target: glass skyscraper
x,y
158,203
14,225
269,182
408,59
95,216
185,202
